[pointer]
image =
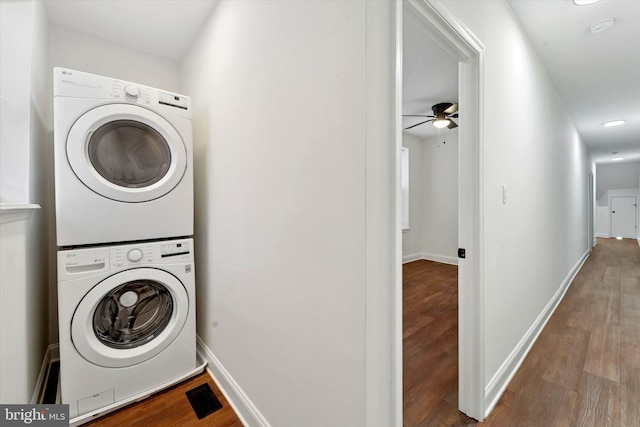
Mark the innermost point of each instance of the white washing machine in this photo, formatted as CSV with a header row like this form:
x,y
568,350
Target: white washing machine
x,y
127,321
123,161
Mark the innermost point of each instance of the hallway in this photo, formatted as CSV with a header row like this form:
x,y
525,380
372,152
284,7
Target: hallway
x,y
584,369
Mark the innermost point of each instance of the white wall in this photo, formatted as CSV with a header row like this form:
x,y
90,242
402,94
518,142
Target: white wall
x,y
433,198
23,243
440,197
412,239
82,52
529,248
279,95
15,38
616,176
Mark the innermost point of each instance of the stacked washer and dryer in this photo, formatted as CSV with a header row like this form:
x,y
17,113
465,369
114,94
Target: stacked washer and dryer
x,y
124,222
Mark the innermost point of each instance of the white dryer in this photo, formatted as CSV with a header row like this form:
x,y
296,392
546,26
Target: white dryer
x,y
123,161
127,321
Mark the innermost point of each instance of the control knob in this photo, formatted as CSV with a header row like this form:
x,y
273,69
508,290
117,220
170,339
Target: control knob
x,y
132,91
134,255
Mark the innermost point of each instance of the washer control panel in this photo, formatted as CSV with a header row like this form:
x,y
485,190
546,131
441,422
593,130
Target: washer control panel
x,y
166,252
89,261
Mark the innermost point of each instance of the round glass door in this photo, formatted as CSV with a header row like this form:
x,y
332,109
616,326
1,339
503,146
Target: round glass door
x,y
129,317
126,153
132,314
129,153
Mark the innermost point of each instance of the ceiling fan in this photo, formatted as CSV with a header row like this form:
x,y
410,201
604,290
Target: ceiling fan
x,y
442,115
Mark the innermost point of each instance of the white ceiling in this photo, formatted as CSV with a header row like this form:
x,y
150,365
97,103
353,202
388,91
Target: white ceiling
x,y
597,75
430,76
163,28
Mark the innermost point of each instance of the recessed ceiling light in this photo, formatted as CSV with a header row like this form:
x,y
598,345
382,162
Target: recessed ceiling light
x,y
614,123
584,2
617,159
600,26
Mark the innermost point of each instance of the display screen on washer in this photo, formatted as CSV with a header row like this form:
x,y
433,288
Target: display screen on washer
x,y
132,314
129,153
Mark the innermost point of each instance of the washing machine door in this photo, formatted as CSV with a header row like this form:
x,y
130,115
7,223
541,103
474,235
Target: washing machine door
x,y
126,153
129,317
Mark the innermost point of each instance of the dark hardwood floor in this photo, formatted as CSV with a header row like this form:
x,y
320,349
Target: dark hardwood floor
x,y
584,369
171,408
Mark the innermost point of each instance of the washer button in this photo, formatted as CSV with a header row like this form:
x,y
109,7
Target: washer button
x,y
132,91
134,255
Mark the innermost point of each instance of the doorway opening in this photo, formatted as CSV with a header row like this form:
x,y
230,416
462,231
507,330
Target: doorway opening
x,y
450,35
430,229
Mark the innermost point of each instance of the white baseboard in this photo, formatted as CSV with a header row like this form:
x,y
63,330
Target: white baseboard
x,y
604,235
51,355
444,259
411,257
243,406
503,376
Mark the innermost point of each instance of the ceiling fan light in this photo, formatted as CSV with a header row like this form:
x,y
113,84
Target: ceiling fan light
x,y
441,123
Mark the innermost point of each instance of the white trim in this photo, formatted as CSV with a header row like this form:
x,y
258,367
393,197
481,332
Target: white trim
x,y
411,257
595,242
604,235
444,259
51,355
10,212
244,408
503,376
457,39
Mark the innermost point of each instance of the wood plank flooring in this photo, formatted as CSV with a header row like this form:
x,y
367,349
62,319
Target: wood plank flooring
x,y
584,369
171,408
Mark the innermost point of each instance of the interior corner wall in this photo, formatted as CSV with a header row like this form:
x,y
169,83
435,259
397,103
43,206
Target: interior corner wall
x,y
23,243
532,147
440,197
617,176
614,179
279,96
412,239
86,53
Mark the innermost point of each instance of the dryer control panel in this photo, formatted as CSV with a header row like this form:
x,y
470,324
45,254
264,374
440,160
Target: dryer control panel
x,y
78,84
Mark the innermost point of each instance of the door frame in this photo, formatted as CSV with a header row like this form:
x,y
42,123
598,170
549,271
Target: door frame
x,y
590,212
448,31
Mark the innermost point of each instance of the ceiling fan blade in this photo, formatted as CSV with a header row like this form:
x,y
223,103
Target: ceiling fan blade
x,y
452,124
418,124
413,115
455,116
452,109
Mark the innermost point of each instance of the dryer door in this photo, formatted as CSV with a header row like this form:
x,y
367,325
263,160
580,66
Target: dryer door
x,y
129,317
126,153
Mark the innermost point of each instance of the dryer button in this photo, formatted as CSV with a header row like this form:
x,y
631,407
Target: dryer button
x,y
134,255
132,91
